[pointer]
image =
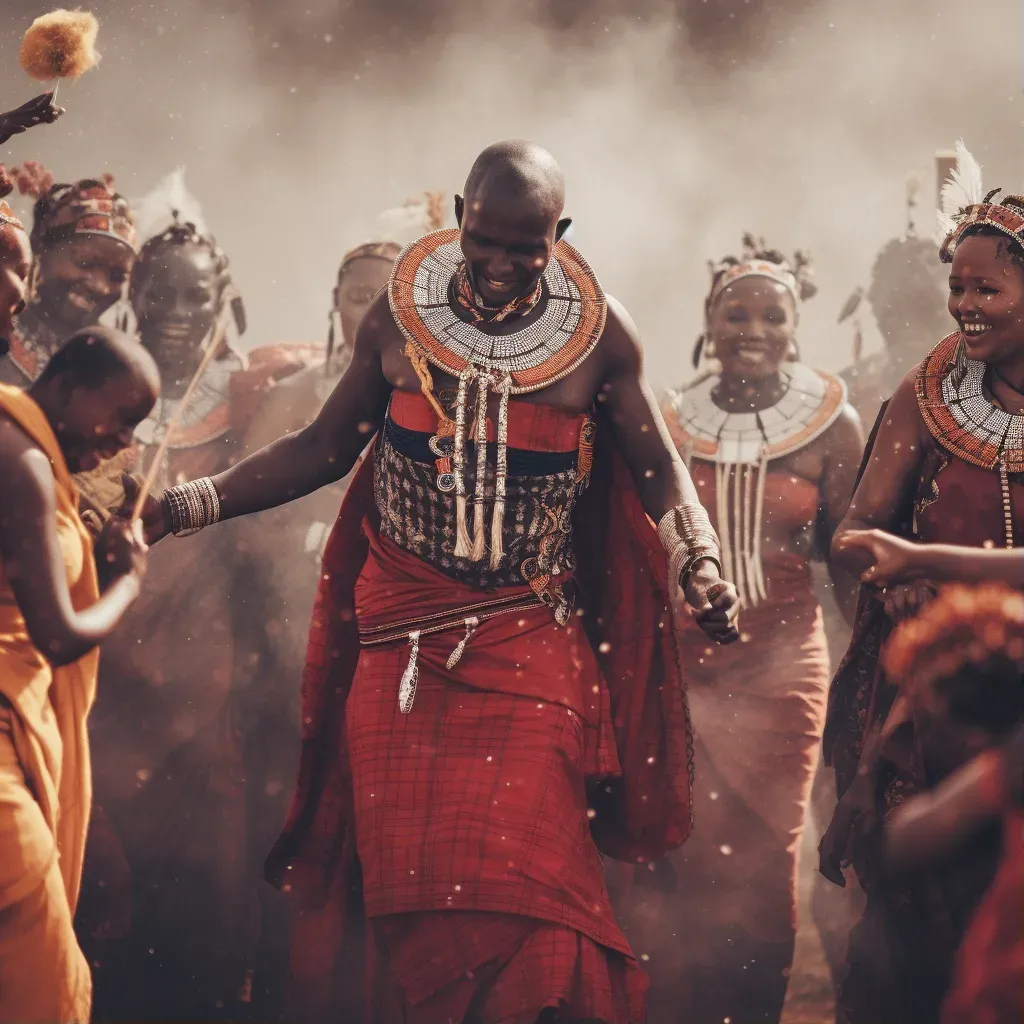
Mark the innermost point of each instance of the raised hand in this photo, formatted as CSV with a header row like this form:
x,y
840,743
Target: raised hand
x,y
37,111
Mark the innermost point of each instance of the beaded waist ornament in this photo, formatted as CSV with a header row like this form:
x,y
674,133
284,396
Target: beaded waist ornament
x,y
433,306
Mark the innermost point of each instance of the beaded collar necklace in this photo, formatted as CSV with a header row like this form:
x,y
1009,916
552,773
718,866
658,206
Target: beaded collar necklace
x,y
965,422
741,444
430,309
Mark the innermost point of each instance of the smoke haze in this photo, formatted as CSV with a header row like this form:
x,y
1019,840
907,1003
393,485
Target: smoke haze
x,y
679,125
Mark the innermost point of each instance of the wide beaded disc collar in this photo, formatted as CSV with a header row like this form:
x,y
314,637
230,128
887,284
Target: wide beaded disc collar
x,y
964,421
549,347
811,403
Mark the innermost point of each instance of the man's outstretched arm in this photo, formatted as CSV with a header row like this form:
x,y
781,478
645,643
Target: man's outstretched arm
x,y
325,451
661,478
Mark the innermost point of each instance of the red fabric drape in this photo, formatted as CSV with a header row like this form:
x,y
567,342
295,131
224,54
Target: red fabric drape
x,y
640,813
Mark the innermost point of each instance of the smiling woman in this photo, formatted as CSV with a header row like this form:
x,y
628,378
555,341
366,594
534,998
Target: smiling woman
x,y
83,241
946,466
774,448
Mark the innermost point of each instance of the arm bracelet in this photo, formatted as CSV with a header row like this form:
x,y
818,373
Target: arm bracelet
x,y
688,537
192,506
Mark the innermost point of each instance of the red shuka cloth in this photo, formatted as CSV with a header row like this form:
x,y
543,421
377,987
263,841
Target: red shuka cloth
x,y
988,978
642,803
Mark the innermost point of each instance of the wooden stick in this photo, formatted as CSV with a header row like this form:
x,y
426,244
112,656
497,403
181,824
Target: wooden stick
x,y
217,337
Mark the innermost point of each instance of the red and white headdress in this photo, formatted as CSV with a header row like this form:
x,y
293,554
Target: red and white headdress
x,y
759,261
965,204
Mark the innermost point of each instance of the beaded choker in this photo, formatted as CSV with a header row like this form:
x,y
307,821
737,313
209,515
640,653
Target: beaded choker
x,y
473,305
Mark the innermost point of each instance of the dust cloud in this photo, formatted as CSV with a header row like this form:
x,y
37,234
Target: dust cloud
x,y
680,126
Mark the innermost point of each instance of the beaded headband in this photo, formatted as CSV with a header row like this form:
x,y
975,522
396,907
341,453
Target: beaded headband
x,y
370,250
965,205
86,208
755,268
1006,217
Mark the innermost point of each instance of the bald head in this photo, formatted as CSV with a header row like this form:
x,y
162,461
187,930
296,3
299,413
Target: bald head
x,y
97,388
517,171
92,357
509,219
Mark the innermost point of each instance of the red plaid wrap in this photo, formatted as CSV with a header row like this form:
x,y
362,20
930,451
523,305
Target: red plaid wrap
x,y
416,793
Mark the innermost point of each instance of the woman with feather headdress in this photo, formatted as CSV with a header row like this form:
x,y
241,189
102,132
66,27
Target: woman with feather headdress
x,y
774,446
945,464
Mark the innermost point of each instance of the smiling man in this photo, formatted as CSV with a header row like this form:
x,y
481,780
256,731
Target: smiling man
x,y
455,709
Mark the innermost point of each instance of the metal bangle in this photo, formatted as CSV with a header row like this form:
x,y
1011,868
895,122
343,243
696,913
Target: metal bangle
x,y
192,506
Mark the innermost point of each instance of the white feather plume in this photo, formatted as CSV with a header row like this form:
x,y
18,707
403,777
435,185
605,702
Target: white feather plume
x,y
406,223
962,189
155,212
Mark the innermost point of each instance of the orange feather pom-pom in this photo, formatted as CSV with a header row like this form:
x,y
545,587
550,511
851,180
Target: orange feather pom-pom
x,y
61,44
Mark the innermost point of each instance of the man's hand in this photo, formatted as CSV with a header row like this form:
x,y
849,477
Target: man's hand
x,y
120,548
37,111
715,603
154,522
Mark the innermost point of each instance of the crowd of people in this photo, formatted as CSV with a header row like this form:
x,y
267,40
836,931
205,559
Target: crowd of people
x,y
527,731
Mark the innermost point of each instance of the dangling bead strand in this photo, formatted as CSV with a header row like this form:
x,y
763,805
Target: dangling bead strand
x,y
1004,483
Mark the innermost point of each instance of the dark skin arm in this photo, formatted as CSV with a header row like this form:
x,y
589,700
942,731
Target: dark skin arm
x,y
895,560
891,474
889,481
34,565
934,823
308,459
39,110
660,475
845,443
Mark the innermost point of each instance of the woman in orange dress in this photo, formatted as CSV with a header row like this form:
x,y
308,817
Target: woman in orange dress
x,y
774,447
83,408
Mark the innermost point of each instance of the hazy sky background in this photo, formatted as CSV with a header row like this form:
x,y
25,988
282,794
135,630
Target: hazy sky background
x,y
679,125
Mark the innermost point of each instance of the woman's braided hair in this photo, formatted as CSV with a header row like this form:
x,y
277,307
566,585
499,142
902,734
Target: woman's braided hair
x,y
179,233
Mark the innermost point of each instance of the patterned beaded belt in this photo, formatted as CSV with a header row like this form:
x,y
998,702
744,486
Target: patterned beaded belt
x,y
413,630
